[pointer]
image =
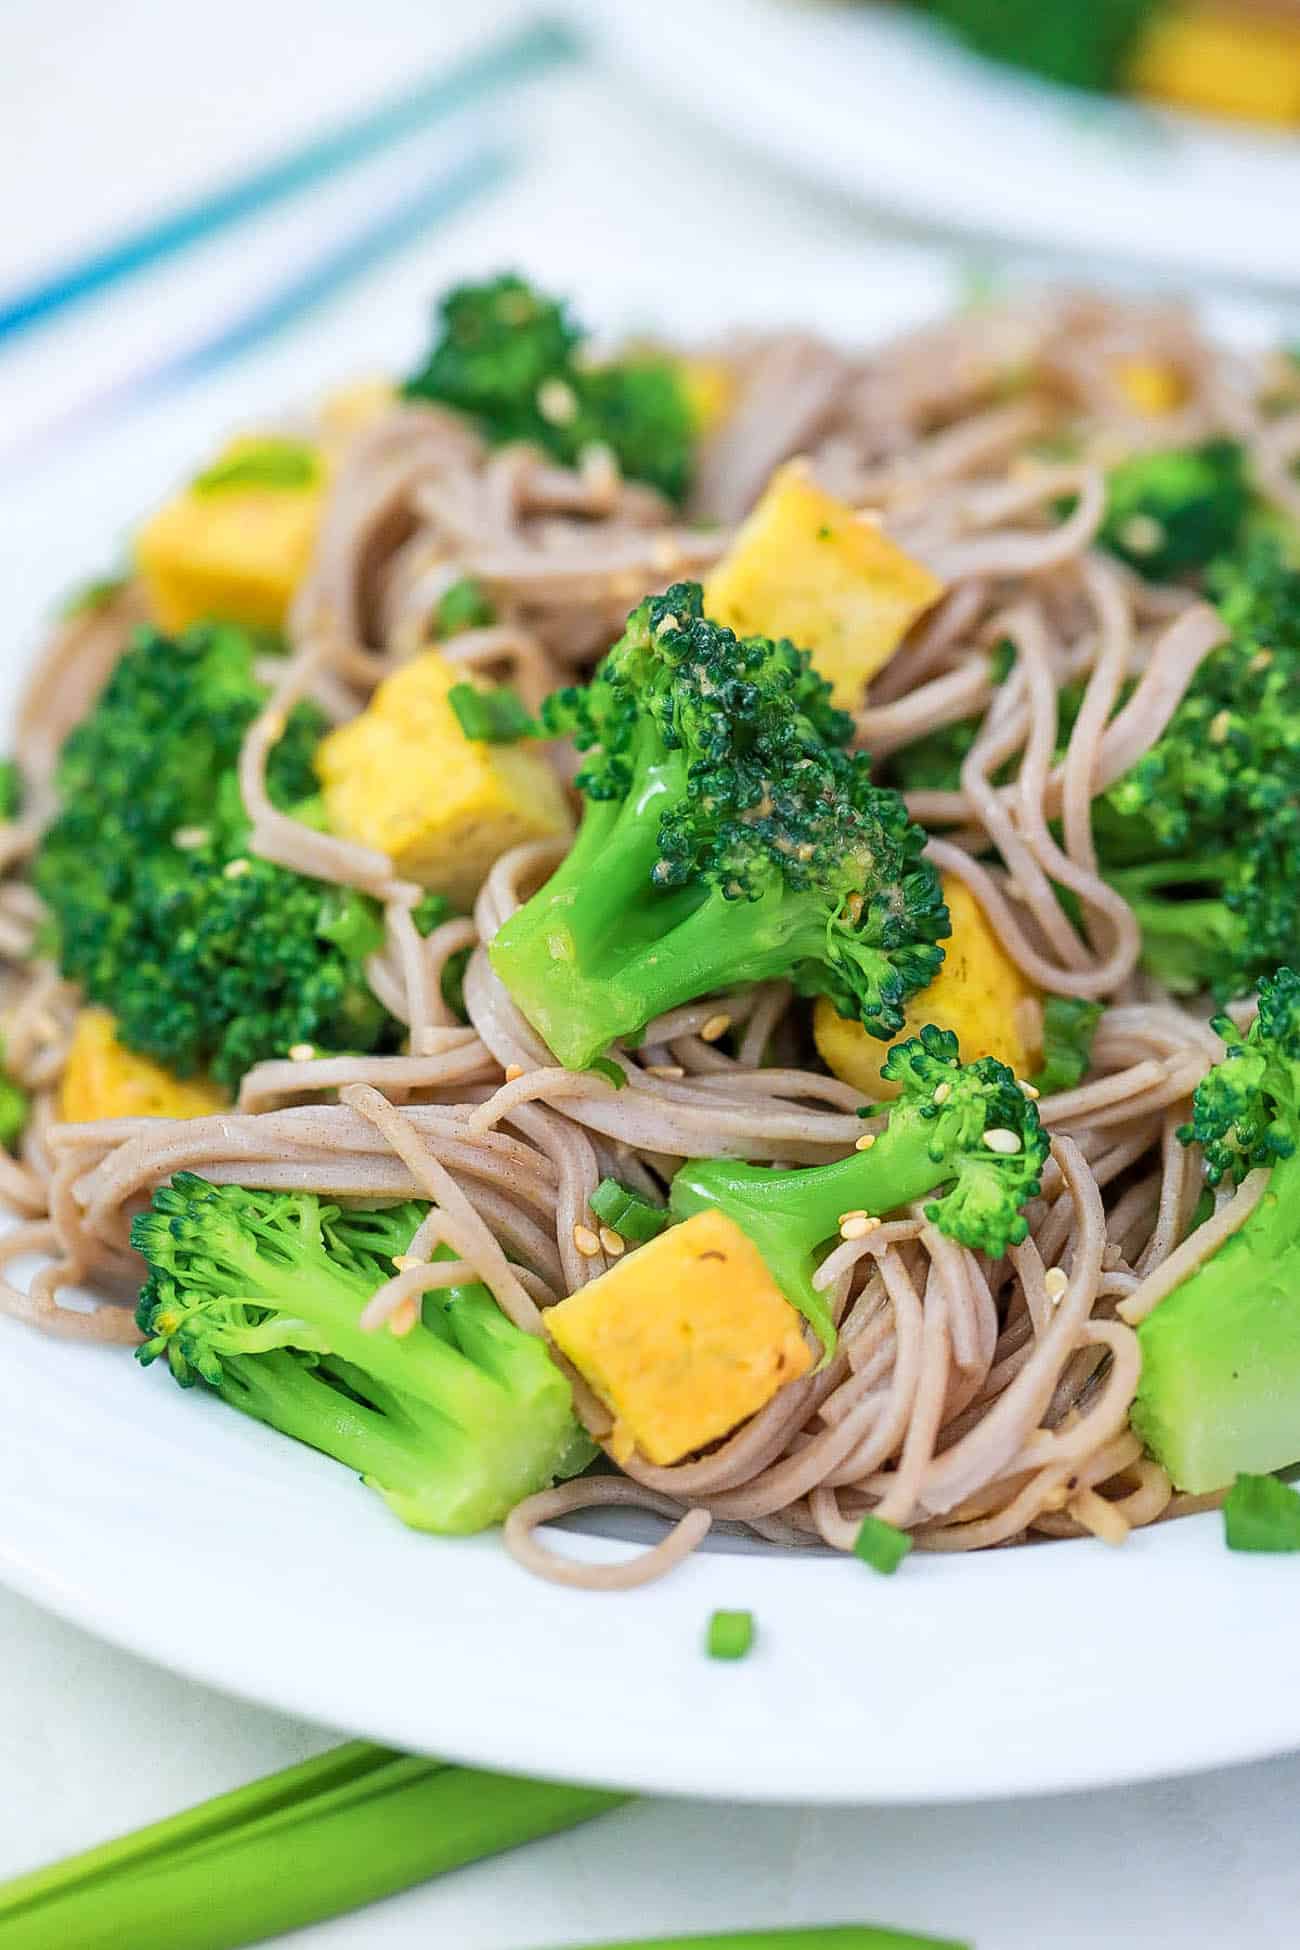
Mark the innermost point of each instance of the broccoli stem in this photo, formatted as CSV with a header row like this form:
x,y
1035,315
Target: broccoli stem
x,y
1220,1387
789,1215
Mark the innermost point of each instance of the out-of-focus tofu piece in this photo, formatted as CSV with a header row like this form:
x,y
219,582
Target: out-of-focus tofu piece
x,y
102,1079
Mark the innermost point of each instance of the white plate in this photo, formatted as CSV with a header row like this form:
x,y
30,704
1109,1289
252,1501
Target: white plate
x,y
879,105
165,1522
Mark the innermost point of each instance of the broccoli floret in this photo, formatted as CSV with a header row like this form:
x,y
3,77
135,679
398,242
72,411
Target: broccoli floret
x,y
965,1131
1080,46
1069,1026
207,957
513,361
15,1104
727,837
1168,514
258,1295
1220,1387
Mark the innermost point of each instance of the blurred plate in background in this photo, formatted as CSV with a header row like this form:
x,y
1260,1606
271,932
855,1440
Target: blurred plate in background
x,y
874,104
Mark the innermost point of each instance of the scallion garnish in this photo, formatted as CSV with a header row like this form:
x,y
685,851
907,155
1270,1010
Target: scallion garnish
x,y
881,1545
605,1066
270,463
1261,1514
496,717
462,606
626,1212
731,1634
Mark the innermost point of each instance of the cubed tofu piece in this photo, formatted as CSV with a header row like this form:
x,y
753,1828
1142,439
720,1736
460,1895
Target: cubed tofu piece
x,y
684,1339
1151,386
811,568
710,389
979,993
403,777
1212,58
236,551
102,1079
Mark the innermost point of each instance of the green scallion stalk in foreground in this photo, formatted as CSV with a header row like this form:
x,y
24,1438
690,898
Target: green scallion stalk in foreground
x,y
331,1835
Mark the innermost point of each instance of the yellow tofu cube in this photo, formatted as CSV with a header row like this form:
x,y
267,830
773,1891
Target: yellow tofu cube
x,y
403,777
102,1079
979,993
684,1339
235,549
1151,386
1214,59
710,389
811,568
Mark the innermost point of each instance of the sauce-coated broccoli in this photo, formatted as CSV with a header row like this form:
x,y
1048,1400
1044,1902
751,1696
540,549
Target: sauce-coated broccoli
x,y
728,837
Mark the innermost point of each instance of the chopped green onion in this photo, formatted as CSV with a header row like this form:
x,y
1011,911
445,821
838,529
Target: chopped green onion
x,y
462,607
359,1823
881,1545
605,1066
270,463
352,922
1069,1025
11,789
626,1212
88,598
497,717
430,911
731,1634
1261,1514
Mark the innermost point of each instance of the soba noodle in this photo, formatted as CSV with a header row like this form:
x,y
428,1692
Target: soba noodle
x,y
975,1403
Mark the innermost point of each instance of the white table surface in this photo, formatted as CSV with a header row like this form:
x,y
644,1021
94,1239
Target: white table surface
x,y
101,108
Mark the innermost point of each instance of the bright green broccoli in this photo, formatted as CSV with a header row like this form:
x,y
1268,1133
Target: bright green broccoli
x,y
513,361
965,1131
259,1296
1069,1026
1169,514
11,789
728,837
15,1105
207,957
1080,46
1220,1387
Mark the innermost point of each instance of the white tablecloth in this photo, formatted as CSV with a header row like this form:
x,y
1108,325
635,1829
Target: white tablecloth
x,y
100,109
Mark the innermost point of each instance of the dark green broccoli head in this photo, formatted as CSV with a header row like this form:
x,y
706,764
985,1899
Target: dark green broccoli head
x,y
512,360
208,957
729,836
1168,514
1246,1111
983,1126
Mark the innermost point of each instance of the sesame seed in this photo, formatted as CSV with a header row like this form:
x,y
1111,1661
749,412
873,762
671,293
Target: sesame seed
x,y
1030,1090
715,1026
404,1316
1261,660
406,1262
190,836
586,1241
236,869
557,402
1220,726
1005,1143
1055,1282
302,1052
855,1228
665,624
942,1092
865,1142
613,1242
1142,534
855,905
513,1072
671,1072
859,1213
